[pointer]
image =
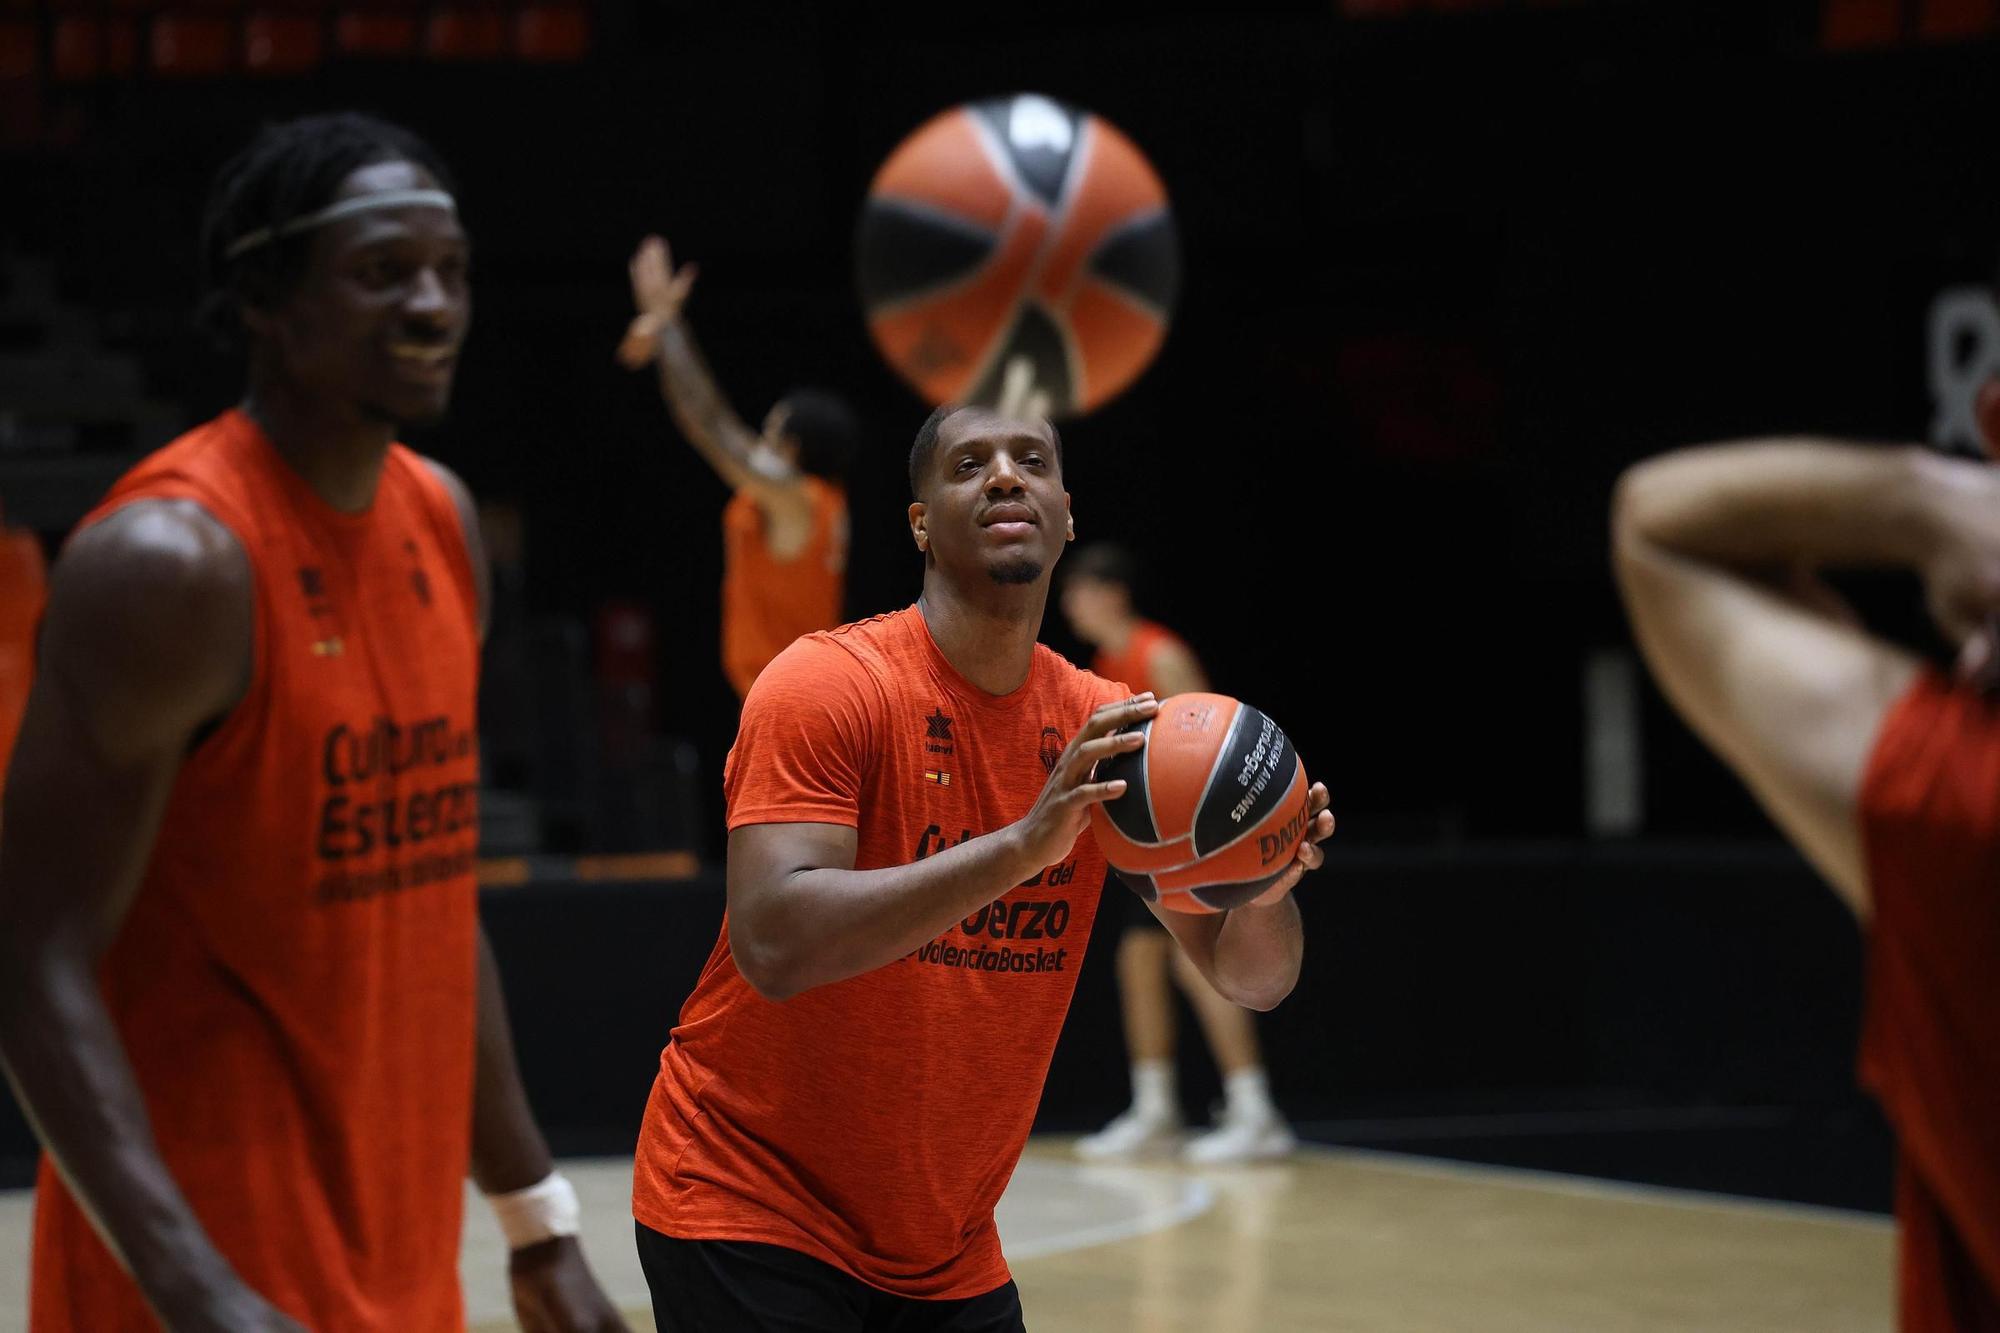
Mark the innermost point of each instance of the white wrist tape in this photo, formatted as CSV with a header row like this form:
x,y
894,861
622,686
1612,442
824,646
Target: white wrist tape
x,y
540,1212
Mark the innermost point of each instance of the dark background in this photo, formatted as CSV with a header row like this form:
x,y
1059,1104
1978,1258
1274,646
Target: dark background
x,y
1447,269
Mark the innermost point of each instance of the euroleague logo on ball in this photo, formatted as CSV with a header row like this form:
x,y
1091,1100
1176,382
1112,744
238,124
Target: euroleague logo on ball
x,y
1018,252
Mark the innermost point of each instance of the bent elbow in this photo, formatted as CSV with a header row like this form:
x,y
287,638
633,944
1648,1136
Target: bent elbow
x,y
1264,1001
766,966
1262,996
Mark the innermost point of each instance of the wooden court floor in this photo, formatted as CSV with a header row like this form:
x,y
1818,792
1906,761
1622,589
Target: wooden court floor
x,y
1325,1242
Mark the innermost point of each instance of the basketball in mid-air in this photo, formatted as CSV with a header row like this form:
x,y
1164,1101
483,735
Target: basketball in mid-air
x,y
1214,805
1018,252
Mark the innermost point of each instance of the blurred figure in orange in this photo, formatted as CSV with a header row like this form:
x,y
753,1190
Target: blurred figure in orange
x,y
1146,656
785,530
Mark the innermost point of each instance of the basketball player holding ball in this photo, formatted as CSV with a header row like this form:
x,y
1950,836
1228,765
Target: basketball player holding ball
x,y
785,527
911,884
1097,601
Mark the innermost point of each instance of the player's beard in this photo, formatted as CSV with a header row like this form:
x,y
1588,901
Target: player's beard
x,y
1015,572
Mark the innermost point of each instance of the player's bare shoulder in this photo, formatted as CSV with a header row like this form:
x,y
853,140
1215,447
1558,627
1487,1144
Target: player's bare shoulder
x,y
150,612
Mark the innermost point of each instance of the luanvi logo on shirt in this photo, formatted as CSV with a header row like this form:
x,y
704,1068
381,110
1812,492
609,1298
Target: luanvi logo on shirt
x,y
937,733
1052,748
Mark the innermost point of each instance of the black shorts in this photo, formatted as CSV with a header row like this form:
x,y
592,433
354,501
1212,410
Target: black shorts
x,y
733,1286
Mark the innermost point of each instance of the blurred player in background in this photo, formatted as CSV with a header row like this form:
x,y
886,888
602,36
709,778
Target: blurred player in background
x,y
1882,769
784,530
245,999
1097,599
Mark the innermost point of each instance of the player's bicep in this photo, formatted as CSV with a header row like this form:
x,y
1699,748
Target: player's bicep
x,y
763,878
146,638
764,854
1789,697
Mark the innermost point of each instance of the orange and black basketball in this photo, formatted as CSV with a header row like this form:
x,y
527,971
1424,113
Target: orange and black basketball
x,y
1023,239
1214,805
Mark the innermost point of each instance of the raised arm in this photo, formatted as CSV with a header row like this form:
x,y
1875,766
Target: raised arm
x,y
801,915
1709,546
659,333
146,640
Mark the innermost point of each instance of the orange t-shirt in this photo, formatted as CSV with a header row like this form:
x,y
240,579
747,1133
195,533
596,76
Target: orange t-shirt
x,y
1134,666
295,983
872,1123
768,602
23,589
1930,1051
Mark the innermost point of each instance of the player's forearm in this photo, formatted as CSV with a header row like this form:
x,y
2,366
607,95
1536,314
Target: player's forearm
x,y
74,1083
508,1150
697,404
814,927
1779,503
1258,951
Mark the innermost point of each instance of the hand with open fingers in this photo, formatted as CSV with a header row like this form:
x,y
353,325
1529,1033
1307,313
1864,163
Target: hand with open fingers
x,y
555,1292
658,291
1318,829
1050,828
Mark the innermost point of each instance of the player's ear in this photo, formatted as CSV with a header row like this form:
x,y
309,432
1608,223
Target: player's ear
x,y
1986,411
1069,520
917,530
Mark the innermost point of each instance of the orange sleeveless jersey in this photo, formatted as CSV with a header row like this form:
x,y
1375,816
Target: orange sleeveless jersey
x,y
872,1123
1930,823
23,589
1134,665
767,602
295,982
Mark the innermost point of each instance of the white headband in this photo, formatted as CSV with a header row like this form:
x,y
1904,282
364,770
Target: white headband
x,y
361,203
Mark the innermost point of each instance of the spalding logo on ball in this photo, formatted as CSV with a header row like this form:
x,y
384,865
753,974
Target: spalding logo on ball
x,y
1018,251
1214,805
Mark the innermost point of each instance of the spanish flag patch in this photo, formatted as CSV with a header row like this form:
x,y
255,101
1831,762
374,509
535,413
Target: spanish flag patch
x,y
937,775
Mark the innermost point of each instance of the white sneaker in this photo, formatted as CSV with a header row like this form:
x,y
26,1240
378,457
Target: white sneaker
x,y
1136,1133
1242,1139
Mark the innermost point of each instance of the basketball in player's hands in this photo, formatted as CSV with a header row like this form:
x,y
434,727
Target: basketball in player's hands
x,y
1214,808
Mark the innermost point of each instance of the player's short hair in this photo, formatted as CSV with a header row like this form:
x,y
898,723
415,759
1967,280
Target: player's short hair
x,y
287,171
825,428
927,438
1104,562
